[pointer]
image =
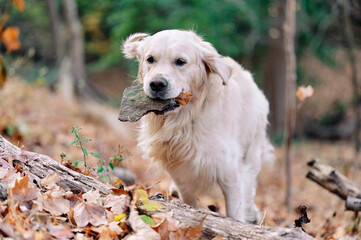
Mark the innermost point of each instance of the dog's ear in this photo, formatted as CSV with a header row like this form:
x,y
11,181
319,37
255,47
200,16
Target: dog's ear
x,y
214,62
133,44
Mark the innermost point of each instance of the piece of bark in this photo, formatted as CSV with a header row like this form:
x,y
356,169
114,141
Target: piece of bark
x,y
135,104
215,224
332,180
39,166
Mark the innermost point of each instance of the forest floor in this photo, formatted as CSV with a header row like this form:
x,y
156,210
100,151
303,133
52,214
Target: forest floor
x,y
39,120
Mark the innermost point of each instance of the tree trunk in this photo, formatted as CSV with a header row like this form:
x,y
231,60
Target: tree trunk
x,y
352,55
290,99
274,77
39,166
57,25
76,44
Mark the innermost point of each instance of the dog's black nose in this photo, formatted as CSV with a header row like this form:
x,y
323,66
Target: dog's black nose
x,y
158,85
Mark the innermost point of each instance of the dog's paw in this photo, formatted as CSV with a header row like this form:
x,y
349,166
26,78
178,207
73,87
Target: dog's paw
x,y
254,215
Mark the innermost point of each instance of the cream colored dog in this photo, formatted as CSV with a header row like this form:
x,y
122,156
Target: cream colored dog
x,y
220,136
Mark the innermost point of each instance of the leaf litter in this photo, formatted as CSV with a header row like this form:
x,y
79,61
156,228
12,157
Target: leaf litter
x,y
31,212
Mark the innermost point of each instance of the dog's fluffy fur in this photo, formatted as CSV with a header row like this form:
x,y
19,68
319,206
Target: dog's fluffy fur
x,y
220,136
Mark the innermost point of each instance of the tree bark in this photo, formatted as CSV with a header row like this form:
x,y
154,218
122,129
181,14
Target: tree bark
x,y
39,166
274,77
290,114
335,182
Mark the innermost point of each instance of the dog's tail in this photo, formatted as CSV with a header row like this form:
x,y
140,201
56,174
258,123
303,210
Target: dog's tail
x,y
268,153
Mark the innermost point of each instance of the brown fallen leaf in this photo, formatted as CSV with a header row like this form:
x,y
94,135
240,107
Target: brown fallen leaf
x,y
85,213
23,192
218,237
55,205
193,233
303,219
60,231
117,204
92,197
9,176
50,181
110,231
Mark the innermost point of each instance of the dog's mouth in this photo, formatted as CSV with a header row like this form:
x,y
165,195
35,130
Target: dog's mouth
x,y
182,100
136,104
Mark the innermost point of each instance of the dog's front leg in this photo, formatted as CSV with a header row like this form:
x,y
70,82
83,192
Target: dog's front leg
x,y
185,188
233,193
239,189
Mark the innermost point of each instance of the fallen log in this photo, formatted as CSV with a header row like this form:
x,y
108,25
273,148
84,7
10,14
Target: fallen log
x,y
40,166
334,181
228,228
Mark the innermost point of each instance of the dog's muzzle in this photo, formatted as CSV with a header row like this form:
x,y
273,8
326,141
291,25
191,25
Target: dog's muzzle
x,y
158,87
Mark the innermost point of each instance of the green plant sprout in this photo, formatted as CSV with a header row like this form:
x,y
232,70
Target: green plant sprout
x,y
116,160
79,142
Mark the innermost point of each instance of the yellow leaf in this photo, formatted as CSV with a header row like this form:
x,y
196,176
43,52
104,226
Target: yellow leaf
x,y
119,217
150,206
141,194
19,4
10,38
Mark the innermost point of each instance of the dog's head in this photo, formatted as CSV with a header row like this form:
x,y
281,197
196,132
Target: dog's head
x,y
174,61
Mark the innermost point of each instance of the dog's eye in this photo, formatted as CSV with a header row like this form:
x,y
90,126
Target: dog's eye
x,y
180,62
150,60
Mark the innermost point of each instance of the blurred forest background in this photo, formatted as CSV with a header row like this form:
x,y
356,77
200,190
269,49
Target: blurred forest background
x,y
74,47
249,31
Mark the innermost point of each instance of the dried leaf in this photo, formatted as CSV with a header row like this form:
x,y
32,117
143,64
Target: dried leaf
x,y
85,213
55,206
303,219
60,231
194,233
10,39
20,4
218,237
50,181
110,231
23,192
304,92
142,231
117,204
184,98
92,197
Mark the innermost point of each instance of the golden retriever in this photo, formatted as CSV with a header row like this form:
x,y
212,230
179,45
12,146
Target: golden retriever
x,y
220,136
